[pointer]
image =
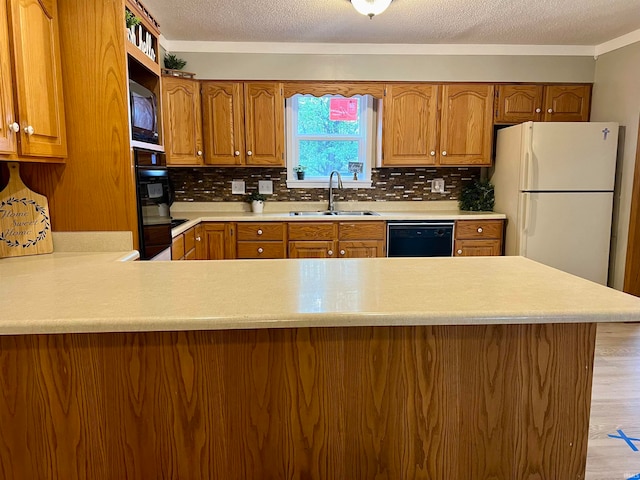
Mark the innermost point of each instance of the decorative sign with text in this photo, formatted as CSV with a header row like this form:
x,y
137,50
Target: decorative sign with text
x,y
144,40
25,227
343,109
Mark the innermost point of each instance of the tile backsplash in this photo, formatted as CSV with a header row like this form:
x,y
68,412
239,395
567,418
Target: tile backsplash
x,y
397,184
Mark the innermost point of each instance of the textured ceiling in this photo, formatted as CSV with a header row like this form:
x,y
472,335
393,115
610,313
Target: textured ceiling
x,y
520,22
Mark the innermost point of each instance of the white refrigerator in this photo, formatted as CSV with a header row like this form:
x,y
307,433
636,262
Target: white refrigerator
x,y
554,182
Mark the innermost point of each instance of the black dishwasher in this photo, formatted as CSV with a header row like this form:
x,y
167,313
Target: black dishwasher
x,y
419,239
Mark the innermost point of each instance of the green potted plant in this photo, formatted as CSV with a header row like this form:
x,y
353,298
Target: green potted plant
x,y
478,197
131,19
173,63
299,170
257,201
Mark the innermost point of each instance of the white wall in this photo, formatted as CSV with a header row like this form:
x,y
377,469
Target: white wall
x,y
437,68
616,98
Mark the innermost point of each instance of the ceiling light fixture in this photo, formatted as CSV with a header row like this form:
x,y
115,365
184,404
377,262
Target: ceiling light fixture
x,y
371,7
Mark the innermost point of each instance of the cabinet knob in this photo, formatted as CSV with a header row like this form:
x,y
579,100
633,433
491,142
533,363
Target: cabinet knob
x,y
259,231
29,130
199,153
433,153
459,252
538,110
260,250
479,229
237,153
197,239
342,252
550,110
14,127
330,252
249,153
444,153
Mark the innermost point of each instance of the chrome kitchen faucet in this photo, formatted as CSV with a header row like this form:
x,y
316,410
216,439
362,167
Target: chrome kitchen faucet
x,y
331,202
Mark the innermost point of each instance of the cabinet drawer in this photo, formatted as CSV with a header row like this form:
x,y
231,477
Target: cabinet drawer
x,y
190,255
260,231
260,250
177,248
361,231
477,229
312,231
189,239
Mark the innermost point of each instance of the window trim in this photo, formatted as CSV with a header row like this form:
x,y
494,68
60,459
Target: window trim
x,y
370,152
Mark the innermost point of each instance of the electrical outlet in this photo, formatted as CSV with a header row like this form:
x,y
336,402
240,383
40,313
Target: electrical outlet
x,y
437,185
237,187
265,186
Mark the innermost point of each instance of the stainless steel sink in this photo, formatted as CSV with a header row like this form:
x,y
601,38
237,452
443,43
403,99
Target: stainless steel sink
x,y
336,212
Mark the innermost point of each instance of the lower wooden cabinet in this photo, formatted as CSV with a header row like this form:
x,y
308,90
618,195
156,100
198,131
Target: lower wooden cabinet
x,y
215,241
336,239
183,246
261,240
474,238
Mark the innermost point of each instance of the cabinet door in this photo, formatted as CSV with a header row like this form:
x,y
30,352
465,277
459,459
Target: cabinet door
x,y
264,124
8,144
177,248
518,103
361,249
182,121
309,249
567,103
214,241
38,78
223,123
477,248
466,125
410,125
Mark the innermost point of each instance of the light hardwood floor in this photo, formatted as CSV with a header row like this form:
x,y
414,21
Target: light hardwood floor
x,y
615,403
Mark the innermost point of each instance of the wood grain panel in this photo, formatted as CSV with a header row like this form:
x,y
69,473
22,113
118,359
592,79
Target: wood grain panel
x,y
223,122
312,231
567,103
261,249
261,231
38,81
477,229
264,124
95,190
519,103
477,248
361,231
182,119
8,139
189,239
410,121
177,248
346,89
632,263
361,249
466,124
454,402
311,249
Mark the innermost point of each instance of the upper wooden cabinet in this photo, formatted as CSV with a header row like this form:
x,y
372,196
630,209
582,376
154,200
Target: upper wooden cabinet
x,y
567,103
182,121
33,128
466,125
412,121
548,103
243,123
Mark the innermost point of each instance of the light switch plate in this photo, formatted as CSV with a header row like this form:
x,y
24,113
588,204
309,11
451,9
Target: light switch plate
x,y
265,186
237,187
437,185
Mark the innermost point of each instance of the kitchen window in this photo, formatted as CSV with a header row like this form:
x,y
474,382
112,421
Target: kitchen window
x,y
330,133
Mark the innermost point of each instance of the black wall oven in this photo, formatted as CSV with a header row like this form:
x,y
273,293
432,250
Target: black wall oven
x,y
419,239
154,196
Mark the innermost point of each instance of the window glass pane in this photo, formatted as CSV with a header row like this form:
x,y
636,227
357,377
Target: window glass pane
x,y
320,157
314,116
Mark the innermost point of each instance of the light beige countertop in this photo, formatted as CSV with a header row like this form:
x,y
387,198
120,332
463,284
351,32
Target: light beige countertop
x,y
197,212
65,292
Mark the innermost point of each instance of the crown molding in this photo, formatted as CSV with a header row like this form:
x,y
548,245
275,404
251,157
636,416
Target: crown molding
x,y
373,49
616,43
398,49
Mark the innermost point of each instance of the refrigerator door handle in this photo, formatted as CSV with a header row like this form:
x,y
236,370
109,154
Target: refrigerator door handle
x,y
524,223
525,181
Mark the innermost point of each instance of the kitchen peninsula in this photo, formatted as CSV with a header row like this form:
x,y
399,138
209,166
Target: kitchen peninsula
x,y
450,368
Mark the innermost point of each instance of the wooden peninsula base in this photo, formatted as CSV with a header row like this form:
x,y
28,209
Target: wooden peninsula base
x,y
436,402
